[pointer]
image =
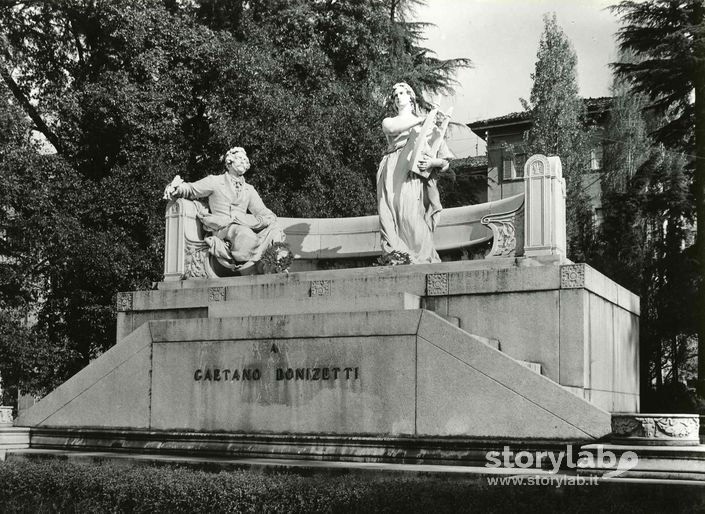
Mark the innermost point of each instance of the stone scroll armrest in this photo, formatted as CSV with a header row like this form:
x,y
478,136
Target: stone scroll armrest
x,y
185,251
506,222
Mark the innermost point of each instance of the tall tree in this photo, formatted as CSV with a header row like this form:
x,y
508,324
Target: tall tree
x,y
669,38
558,128
646,205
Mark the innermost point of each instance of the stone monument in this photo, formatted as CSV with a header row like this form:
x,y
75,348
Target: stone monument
x,y
433,362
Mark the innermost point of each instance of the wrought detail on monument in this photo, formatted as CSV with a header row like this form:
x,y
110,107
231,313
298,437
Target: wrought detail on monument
x,y
572,276
216,294
503,228
124,302
437,284
537,168
5,416
678,427
669,429
195,262
320,287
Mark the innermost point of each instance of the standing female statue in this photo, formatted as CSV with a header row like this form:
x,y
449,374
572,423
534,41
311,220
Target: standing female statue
x,y
408,201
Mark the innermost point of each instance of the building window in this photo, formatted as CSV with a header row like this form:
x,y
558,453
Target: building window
x,y
513,166
596,158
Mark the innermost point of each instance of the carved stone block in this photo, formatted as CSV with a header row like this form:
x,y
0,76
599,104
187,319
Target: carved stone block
x,y
216,294
572,276
504,234
5,416
437,284
320,287
124,302
664,429
195,264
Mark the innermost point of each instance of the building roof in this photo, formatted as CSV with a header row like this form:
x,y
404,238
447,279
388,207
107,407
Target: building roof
x,y
470,164
596,109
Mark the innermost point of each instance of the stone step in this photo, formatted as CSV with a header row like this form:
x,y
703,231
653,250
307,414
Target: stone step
x,y
640,461
314,305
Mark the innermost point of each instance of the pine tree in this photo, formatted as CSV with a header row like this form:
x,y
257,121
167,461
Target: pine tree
x,y
558,128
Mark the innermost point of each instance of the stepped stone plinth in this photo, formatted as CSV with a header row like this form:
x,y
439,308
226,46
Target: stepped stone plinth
x,y
371,363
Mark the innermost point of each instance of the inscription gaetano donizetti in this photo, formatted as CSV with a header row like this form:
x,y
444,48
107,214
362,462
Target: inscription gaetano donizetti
x,y
217,374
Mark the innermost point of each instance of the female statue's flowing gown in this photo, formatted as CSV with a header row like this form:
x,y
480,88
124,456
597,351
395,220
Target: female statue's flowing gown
x,y
409,205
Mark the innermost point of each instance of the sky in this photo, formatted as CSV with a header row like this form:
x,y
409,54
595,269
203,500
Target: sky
x,y
501,37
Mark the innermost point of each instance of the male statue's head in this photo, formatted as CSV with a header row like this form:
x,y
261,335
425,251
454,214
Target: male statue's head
x,y
236,161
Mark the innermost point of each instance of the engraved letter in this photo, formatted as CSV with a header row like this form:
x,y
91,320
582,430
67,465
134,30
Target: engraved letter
x,y
198,375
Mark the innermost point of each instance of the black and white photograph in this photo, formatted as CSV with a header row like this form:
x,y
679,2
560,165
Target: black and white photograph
x,y
352,256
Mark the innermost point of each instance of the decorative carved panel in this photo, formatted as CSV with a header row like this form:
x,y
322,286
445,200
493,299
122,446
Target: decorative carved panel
x,y
216,294
674,428
124,302
320,287
5,416
437,284
572,276
503,228
537,167
195,262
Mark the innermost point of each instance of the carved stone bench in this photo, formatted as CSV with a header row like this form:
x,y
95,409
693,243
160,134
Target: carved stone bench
x,y
352,240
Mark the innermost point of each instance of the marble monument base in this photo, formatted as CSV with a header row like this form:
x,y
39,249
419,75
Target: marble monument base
x,y
425,363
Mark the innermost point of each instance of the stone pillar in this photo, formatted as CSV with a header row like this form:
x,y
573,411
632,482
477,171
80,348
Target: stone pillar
x,y
174,243
544,215
5,416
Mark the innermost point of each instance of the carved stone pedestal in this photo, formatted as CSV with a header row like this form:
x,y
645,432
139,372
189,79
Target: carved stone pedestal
x,y
11,438
5,416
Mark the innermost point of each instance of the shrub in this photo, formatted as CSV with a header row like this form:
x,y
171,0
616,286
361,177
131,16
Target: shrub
x,y
39,486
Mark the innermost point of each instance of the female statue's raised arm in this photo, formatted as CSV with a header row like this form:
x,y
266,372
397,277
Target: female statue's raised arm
x,y
398,124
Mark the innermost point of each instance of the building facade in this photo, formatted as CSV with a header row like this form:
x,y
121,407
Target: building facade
x,y
507,154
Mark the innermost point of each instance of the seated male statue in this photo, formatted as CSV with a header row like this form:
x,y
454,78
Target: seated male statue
x,y
242,226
